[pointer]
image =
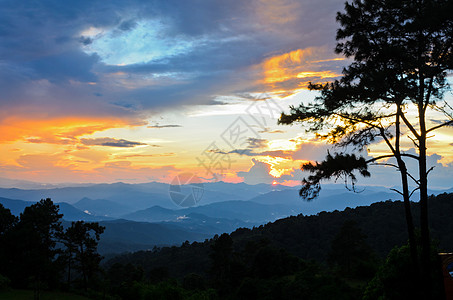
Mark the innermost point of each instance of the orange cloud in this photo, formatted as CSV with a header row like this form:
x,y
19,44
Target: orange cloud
x,y
279,68
93,156
314,74
53,131
67,167
295,69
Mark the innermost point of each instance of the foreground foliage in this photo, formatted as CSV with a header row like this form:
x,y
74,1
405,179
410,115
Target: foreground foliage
x,y
335,255
401,52
46,295
327,256
36,252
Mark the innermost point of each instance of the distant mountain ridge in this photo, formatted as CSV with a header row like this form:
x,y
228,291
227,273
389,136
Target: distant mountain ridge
x,y
124,236
139,193
70,212
134,197
101,207
224,208
308,237
247,211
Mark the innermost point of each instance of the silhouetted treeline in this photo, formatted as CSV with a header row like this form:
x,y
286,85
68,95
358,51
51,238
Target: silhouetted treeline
x,y
309,237
333,255
258,271
37,252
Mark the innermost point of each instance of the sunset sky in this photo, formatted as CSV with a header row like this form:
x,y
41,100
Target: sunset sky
x,y
139,91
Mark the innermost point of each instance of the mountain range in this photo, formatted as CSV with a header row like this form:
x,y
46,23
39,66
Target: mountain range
x,y
382,225
141,216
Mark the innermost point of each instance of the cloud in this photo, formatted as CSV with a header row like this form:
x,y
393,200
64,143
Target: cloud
x,y
294,69
311,151
256,143
304,150
53,130
250,152
72,65
438,178
72,70
92,155
220,50
260,172
147,155
268,130
58,168
164,126
111,142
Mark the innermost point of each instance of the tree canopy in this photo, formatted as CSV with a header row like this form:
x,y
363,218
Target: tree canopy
x,y
35,250
401,51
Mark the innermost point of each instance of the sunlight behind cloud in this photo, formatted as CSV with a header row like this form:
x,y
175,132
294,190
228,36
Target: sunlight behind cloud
x,y
143,42
293,70
282,145
322,75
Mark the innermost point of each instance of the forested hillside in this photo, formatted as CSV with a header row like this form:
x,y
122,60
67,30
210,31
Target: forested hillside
x,y
338,248
329,255
310,237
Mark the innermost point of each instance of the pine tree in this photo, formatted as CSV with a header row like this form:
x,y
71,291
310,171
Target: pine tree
x,y
401,51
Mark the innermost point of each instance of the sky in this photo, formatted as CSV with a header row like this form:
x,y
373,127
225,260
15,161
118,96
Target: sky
x,y
138,91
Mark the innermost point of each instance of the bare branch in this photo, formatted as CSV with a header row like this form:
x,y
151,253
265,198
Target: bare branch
x,y
409,125
395,190
440,126
413,178
390,156
413,141
386,164
413,191
428,94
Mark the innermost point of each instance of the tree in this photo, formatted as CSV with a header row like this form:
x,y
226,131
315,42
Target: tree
x,y
393,280
7,220
221,256
32,246
401,51
7,223
81,240
123,279
350,252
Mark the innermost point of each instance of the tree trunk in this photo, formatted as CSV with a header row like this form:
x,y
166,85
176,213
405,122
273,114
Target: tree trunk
x,y
409,220
406,200
82,265
424,227
69,271
423,184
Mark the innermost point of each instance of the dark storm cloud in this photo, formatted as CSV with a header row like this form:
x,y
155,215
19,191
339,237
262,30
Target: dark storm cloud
x,y
74,65
268,130
44,67
256,143
110,142
251,152
164,126
127,25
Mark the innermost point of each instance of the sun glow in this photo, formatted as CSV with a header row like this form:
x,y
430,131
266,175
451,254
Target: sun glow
x,y
322,74
297,64
282,145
